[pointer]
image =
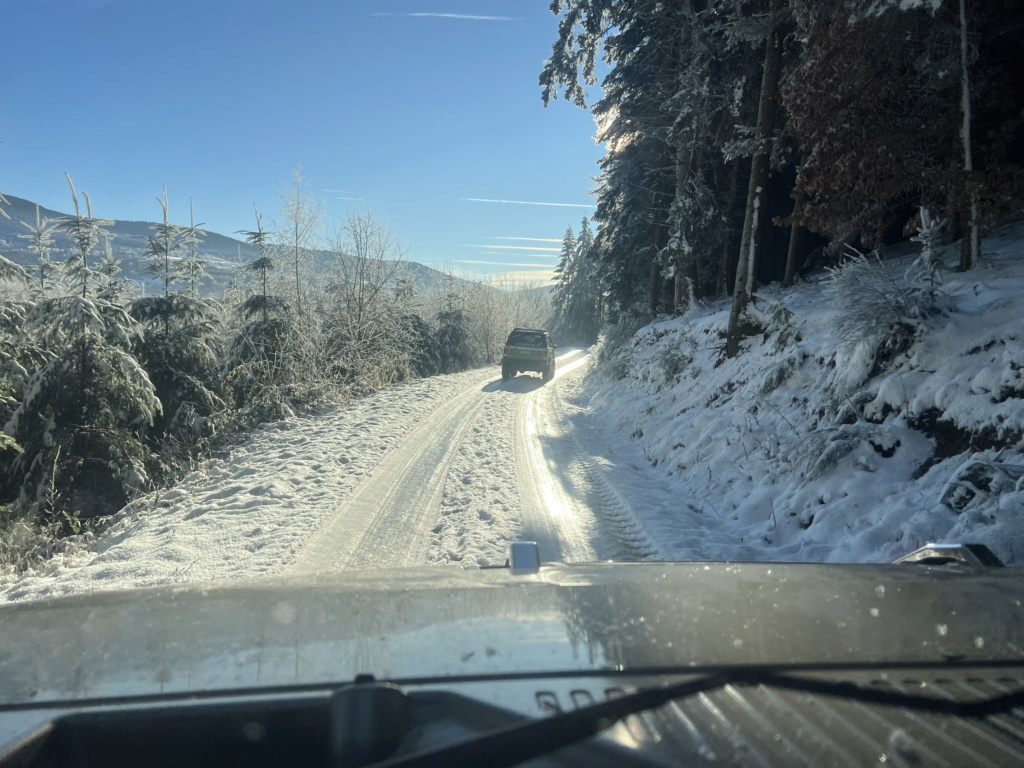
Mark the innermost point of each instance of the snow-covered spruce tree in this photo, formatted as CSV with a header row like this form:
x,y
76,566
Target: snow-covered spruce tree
x,y
259,353
85,233
40,243
635,187
192,267
179,348
83,413
454,346
576,299
10,273
680,86
926,272
413,339
563,273
87,401
110,288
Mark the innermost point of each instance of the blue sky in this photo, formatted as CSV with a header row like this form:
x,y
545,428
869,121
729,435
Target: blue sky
x,y
416,110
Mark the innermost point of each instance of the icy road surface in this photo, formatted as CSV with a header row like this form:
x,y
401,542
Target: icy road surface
x,y
443,470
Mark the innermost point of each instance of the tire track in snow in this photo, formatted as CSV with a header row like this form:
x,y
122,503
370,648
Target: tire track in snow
x,y
385,522
575,512
481,511
612,506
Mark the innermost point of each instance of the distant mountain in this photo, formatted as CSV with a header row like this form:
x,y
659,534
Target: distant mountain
x,y
223,254
128,242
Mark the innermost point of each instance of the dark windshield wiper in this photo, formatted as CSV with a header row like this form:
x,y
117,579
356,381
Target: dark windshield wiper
x,y
518,743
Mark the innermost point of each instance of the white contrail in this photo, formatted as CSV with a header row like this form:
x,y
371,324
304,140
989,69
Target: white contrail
x,y
452,16
504,264
535,248
524,202
530,239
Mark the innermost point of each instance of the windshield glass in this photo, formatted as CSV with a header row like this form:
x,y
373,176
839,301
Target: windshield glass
x,y
294,291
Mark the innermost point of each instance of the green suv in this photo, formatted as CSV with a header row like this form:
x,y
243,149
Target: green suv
x,y
528,349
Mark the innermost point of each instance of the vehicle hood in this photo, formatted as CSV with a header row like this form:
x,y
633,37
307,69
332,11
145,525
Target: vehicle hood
x,y
449,623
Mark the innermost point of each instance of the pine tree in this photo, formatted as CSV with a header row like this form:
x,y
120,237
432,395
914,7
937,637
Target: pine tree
x,y
40,243
453,338
161,249
85,232
259,353
178,346
193,268
576,299
83,411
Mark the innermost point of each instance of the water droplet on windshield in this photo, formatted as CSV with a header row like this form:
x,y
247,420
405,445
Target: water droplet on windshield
x,y
874,612
979,643
880,590
942,629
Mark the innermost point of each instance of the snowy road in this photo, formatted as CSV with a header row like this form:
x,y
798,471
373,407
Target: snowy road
x,y
491,465
443,470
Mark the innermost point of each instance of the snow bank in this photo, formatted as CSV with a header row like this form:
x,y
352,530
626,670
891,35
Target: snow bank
x,y
770,455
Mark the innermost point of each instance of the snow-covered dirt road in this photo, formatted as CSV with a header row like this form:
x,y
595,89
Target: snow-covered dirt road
x,y
444,470
492,464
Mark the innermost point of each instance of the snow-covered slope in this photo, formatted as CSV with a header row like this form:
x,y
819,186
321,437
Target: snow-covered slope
x,y
772,455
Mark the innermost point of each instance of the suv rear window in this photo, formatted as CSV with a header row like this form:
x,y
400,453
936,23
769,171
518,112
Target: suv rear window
x,y
521,338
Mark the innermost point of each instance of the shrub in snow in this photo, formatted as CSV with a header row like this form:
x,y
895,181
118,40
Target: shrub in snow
x,y
615,343
780,372
815,453
925,274
674,359
876,318
980,482
879,313
775,319
26,543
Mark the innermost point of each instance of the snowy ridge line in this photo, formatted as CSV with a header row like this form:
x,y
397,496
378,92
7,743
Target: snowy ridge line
x,y
616,509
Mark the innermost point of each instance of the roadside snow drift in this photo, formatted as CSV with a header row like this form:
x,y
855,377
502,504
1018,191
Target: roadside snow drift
x,y
812,446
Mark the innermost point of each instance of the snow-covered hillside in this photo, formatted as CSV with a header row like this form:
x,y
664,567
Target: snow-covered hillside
x,y
223,254
794,451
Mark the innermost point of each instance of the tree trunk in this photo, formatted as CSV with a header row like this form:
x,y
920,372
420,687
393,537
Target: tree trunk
x,y
685,142
970,248
794,242
722,285
659,239
751,241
